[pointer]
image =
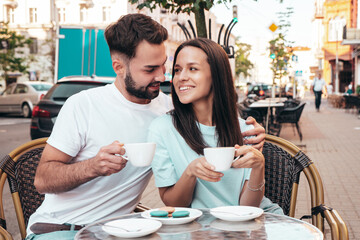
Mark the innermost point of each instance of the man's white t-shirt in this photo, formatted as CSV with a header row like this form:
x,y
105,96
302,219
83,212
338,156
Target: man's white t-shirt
x,y
318,84
88,121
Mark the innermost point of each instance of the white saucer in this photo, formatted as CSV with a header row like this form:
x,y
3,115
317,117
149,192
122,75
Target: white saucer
x,y
194,214
250,225
236,213
145,226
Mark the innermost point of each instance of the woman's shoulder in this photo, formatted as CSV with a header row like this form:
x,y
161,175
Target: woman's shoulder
x,y
161,122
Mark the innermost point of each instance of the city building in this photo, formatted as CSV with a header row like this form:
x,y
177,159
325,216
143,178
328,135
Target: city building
x,y
40,20
338,61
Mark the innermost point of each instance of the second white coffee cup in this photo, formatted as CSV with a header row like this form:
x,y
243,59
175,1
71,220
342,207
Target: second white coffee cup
x,y
220,157
139,154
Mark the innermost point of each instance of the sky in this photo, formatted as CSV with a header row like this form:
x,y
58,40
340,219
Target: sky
x,y
255,17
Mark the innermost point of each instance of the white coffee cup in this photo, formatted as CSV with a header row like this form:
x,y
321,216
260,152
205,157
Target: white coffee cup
x,y
220,157
139,154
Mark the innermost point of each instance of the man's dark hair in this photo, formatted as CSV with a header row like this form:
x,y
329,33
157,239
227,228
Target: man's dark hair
x,y
225,114
125,35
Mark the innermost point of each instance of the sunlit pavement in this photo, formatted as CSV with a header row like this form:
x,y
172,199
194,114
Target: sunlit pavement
x,y
331,138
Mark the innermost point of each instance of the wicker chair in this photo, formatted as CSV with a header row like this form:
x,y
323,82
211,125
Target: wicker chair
x,y
5,235
245,112
19,168
290,115
284,162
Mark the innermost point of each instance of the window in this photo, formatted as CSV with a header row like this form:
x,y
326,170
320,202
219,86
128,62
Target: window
x,y
106,13
61,15
83,13
41,87
33,15
8,90
9,14
336,28
33,46
20,88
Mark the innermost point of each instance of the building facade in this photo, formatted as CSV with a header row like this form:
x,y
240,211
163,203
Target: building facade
x,y
338,69
40,20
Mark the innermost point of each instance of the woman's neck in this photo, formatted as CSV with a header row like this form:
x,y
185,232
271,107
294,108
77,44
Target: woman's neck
x,y
203,113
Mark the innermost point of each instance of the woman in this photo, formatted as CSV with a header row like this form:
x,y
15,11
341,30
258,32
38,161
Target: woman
x,y
204,115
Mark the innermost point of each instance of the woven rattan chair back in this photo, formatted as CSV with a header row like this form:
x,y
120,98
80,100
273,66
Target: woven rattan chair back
x,y
5,235
19,169
281,172
284,162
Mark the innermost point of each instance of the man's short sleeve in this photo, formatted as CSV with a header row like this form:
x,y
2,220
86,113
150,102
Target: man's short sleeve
x,y
70,126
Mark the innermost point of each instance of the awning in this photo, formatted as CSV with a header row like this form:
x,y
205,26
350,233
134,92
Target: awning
x,y
341,56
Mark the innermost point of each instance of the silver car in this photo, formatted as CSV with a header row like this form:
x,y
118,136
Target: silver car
x,y
22,97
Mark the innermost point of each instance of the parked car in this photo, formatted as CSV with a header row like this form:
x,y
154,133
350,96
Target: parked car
x,y
165,87
261,90
22,97
46,111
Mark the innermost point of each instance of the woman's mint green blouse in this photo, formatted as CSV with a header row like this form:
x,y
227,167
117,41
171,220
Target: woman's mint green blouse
x,y
173,155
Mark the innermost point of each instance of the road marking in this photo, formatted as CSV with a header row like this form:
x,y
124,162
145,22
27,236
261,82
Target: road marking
x,y
13,121
357,128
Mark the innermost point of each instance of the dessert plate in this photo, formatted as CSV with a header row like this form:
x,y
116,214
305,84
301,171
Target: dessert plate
x,y
194,214
236,213
131,228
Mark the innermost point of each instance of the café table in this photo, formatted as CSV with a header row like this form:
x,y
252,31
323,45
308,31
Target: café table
x,y
268,226
267,106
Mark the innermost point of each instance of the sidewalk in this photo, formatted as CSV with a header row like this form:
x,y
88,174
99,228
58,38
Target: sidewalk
x,y
331,138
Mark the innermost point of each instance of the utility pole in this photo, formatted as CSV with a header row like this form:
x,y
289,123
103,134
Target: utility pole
x,y
337,65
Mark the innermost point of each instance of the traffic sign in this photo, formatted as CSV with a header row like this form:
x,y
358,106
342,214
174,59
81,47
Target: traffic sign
x,y
273,27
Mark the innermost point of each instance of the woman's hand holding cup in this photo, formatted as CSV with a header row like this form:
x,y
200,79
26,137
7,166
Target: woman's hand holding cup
x,y
202,169
250,157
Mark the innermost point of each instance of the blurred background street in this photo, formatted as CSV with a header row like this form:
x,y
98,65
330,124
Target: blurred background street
x,y
275,48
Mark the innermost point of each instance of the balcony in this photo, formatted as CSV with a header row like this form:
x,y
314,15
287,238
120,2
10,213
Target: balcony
x,y
319,9
351,36
11,3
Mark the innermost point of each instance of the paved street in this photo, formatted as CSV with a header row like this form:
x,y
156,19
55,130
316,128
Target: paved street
x,y
14,131
331,138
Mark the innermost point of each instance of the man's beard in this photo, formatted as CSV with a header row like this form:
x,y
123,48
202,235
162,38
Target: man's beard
x,y
142,92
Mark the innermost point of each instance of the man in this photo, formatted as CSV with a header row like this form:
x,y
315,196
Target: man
x,y
317,87
81,170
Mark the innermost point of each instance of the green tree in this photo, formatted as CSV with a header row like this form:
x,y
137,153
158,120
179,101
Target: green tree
x,y
10,51
281,57
242,63
197,7
280,48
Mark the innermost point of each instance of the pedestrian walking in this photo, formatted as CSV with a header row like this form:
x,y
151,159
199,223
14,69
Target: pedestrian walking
x,y
317,87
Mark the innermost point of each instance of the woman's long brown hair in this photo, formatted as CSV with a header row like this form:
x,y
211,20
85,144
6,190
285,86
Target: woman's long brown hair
x,y
225,115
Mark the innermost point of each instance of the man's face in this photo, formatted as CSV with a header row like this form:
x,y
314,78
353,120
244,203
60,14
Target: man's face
x,y
145,71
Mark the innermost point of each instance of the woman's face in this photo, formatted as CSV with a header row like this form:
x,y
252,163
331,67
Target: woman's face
x,y
192,80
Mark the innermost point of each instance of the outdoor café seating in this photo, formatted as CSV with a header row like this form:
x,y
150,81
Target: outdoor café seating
x,y
19,168
5,235
290,115
352,102
284,162
246,112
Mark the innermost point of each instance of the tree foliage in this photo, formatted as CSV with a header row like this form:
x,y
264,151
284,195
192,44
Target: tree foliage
x,y
242,63
10,51
197,7
280,49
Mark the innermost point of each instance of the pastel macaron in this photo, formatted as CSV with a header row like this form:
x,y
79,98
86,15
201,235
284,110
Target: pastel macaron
x,y
159,213
180,214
